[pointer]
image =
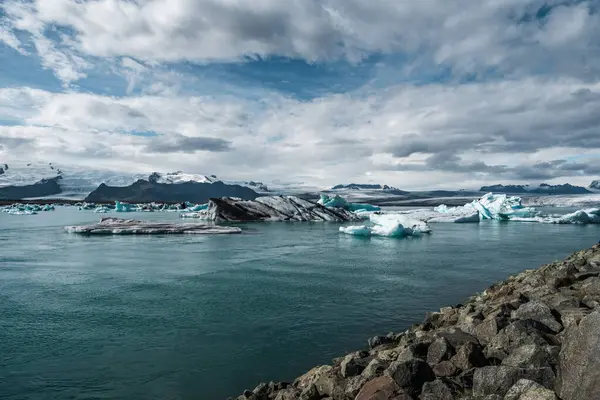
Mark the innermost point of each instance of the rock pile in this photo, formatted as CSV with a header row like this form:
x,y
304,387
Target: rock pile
x,y
535,336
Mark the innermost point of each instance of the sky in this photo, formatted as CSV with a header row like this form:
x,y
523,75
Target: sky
x,y
414,94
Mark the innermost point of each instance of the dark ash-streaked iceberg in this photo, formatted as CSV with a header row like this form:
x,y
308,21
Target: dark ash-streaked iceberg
x,y
119,226
272,208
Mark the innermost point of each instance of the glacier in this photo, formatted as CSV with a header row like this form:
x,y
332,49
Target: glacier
x,y
388,225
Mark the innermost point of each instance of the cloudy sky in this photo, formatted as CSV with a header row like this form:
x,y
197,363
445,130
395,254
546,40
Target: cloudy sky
x,y
428,93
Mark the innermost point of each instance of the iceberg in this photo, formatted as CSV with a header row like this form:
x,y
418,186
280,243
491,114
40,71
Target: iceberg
x,y
389,225
119,226
124,207
271,208
339,202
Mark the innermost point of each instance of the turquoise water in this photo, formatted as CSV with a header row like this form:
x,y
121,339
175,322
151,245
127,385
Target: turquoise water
x,y
188,317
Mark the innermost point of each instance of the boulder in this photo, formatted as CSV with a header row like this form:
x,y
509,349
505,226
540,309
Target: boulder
x,y
439,390
374,369
579,361
381,388
525,389
532,356
499,379
468,356
411,374
440,350
445,369
352,365
537,311
516,334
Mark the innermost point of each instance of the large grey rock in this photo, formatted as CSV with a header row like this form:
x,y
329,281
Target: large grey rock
x,y
525,389
538,311
439,351
499,379
410,375
517,334
439,390
579,365
532,356
352,365
381,388
374,369
468,356
445,369
457,337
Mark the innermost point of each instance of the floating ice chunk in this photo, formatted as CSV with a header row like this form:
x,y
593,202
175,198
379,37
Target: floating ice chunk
x,y
198,207
124,207
118,226
21,212
589,216
356,230
389,225
339,202
101,210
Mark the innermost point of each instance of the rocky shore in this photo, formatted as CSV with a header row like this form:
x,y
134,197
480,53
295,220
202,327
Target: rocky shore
x,y
535,336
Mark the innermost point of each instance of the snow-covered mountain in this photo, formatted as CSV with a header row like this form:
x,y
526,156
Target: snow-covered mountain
x,y
49,180
543,188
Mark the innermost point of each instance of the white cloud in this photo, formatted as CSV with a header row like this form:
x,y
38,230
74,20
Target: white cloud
x,y
468,36
333,139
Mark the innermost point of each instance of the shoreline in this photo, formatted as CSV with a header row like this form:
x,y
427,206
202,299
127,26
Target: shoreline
x,y
534,336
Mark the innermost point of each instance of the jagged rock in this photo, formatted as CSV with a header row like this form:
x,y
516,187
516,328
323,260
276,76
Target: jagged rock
x,y
381,388
532,356
438,351
351,365
573,315
311,376
579,363
379,340
331,384
468,356
353,386
518,333
525,389
537,311
375,368
488,329
457,337
499,379
410,375
415,350
445,369
310,393
288,394
439,390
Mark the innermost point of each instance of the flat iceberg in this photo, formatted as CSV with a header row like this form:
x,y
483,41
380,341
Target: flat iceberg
x,y
339,202
119,226
389,225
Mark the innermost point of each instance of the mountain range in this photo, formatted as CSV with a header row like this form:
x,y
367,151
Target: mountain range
x,y
46,180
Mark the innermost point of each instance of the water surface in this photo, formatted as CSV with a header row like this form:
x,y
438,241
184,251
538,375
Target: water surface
x,y
191,317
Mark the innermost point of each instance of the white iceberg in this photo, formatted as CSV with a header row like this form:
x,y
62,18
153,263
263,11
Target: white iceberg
x,y
389,225
339,202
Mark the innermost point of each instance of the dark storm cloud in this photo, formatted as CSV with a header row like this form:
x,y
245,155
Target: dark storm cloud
x,y
186,144
7,142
